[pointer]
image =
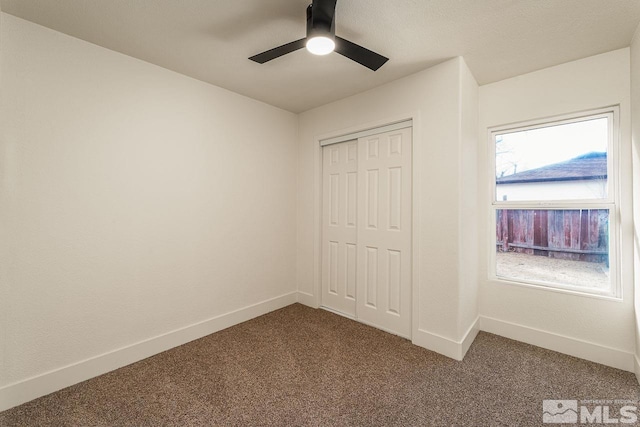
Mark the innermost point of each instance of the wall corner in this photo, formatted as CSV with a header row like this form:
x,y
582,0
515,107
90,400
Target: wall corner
x,y
635,149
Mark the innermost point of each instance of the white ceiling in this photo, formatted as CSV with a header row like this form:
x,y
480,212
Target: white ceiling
x,y
211,40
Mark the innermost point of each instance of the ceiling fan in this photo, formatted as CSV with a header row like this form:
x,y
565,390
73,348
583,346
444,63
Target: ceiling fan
x,y
321,39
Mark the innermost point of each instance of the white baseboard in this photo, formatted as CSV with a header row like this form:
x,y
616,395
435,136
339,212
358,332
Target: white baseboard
x,y
613,357
23,391
637,367
446,346
469,337
308,300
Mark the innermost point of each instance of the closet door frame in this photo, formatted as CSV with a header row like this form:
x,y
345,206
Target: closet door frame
x,y
315,299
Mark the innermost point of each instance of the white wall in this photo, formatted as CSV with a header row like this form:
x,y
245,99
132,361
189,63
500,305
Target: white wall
x,y
135,202
587,327
434,98
468,199
552,190
635,124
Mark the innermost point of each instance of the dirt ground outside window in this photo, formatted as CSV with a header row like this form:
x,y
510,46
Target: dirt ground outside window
x,y
540,268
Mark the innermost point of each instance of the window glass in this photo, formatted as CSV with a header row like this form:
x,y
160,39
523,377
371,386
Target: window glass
x,y
557,246
554,205
560,162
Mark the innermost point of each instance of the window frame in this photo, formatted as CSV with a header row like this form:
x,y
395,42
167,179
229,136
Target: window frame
x,y
611,202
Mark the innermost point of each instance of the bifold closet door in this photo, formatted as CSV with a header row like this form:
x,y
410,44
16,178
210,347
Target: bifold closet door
x,y
383,290
339,233
366,230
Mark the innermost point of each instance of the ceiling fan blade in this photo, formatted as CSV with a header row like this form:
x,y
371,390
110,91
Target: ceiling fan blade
x,y
276,52
359,54
323,13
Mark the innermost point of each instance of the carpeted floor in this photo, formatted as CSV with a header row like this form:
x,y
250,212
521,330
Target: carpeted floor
x,y
299,366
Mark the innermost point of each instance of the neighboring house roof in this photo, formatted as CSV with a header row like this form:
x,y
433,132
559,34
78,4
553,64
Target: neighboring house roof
x,y
589,166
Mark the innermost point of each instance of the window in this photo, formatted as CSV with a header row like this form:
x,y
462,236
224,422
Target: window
x,y
555,204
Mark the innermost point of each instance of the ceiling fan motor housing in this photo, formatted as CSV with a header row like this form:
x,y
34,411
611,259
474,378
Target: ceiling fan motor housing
x,y
320,24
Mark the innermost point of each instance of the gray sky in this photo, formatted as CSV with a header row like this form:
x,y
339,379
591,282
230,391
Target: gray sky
x,y
543,146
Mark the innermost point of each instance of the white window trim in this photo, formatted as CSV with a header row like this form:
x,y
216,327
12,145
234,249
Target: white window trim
x,y
612,202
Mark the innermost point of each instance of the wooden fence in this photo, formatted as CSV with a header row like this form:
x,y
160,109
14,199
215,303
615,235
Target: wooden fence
x,y
577,234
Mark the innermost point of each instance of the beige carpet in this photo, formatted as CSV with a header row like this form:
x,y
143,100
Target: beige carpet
x,y
299,366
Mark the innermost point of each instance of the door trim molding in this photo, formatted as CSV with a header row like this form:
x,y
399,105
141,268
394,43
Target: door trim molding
x,y
357,135
414,117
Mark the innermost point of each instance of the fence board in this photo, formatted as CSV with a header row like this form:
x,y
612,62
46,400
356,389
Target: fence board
x,y
578,234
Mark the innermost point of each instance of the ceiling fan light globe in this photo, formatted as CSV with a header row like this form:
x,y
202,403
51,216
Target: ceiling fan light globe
x,y
320,45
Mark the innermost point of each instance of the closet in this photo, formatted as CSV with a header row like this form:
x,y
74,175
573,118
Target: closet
x,y
366,228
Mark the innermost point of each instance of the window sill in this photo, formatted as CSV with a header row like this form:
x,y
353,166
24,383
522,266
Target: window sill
x,y
608,296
